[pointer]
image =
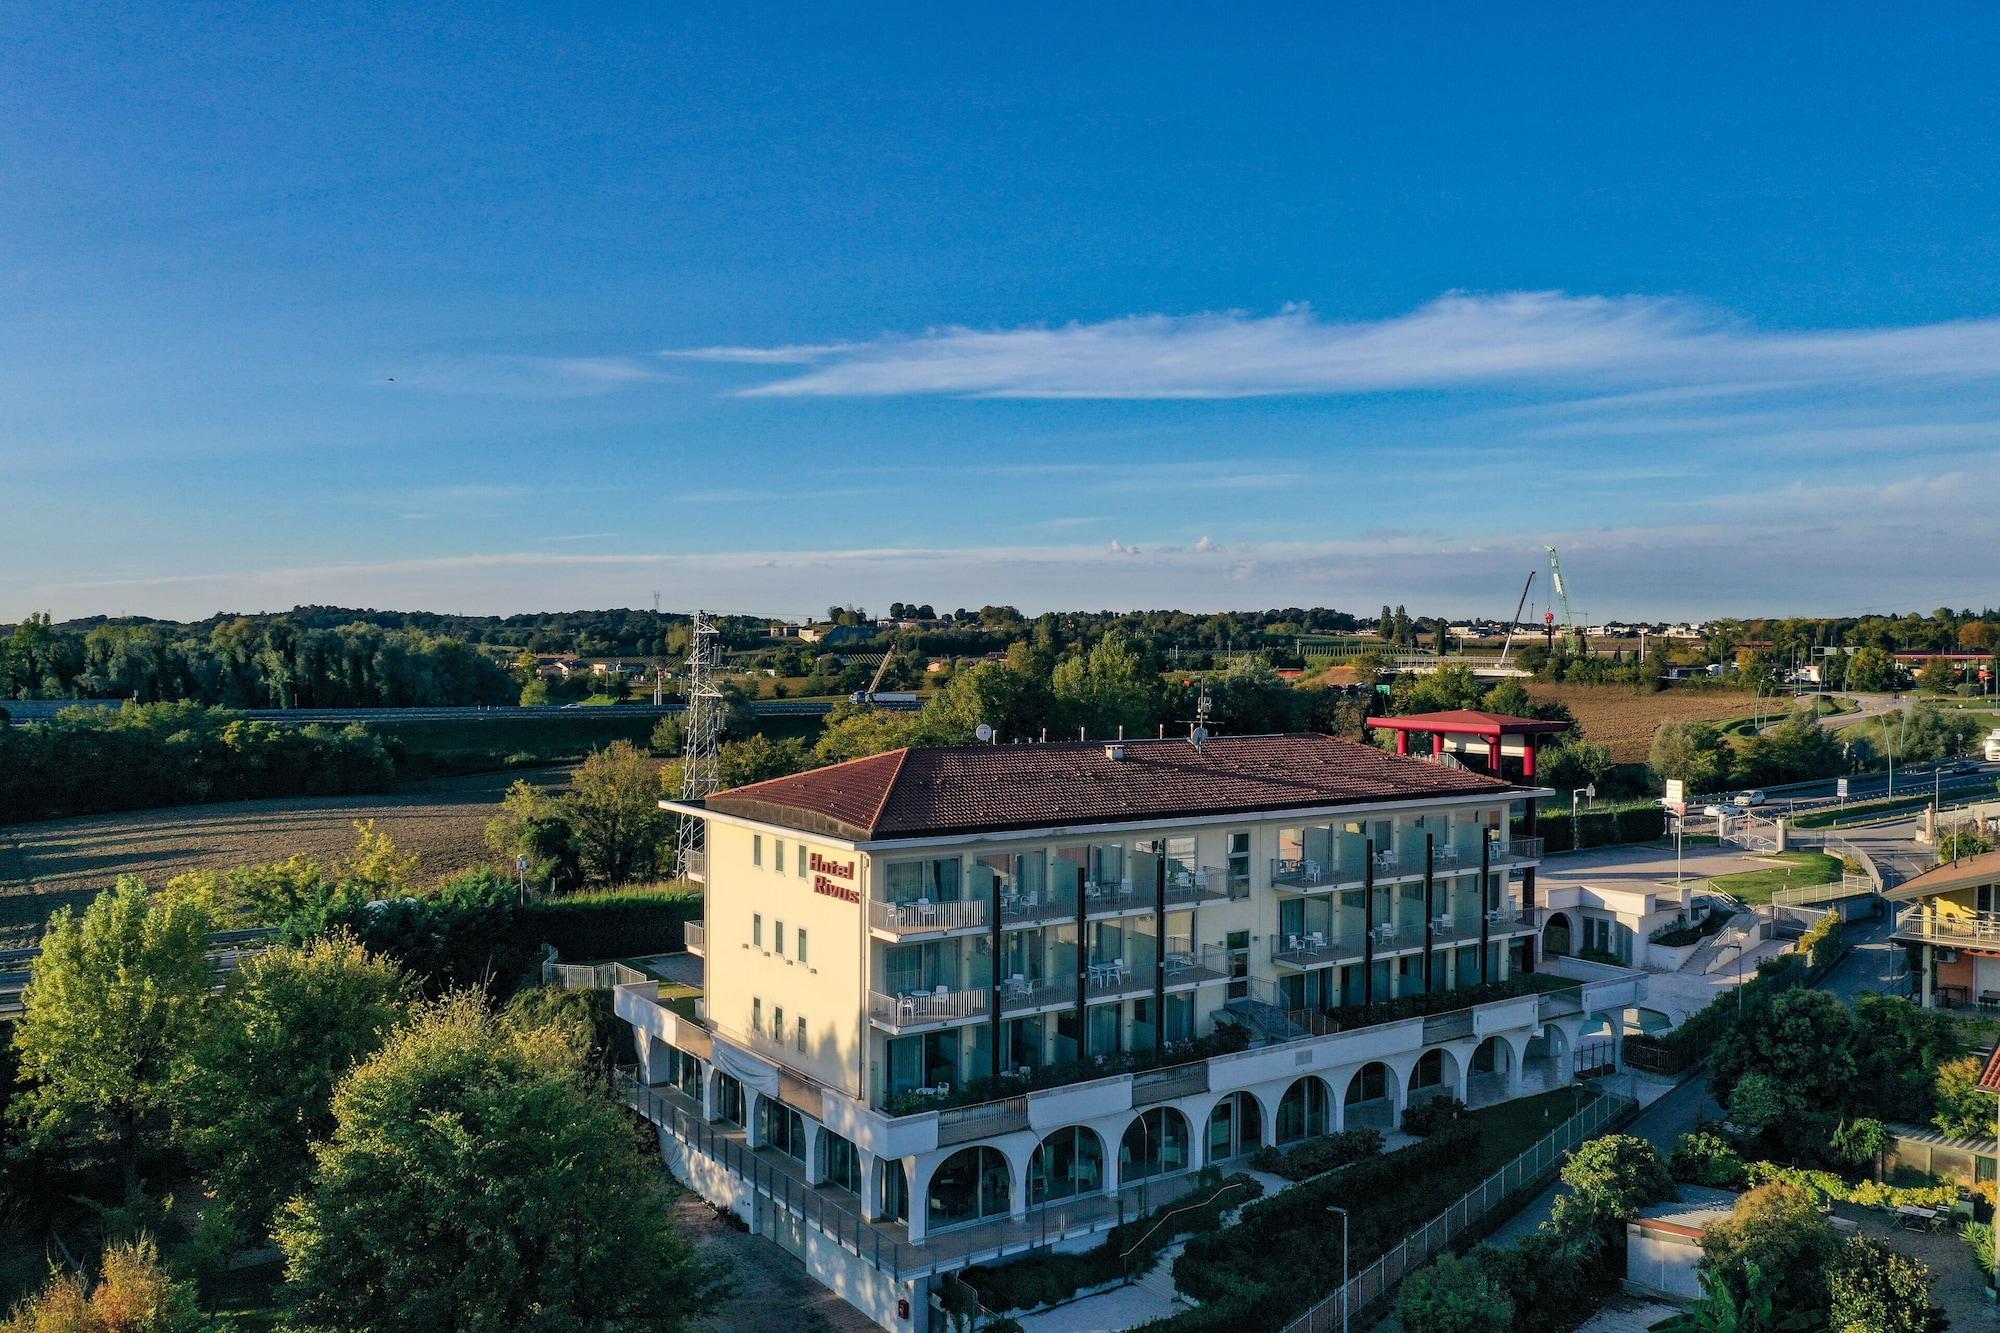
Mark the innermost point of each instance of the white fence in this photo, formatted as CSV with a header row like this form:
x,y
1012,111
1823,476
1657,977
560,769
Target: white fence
x,y
1375,1282
590,976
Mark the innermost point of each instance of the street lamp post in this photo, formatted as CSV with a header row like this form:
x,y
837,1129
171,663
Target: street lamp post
x,y
1336,1208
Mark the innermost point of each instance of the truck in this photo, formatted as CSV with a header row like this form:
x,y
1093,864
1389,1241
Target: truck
x,y
1993,745
881,697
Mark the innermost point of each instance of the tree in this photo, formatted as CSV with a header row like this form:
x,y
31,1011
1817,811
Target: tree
x,y
1936,677
1898,1047
1978,636
1109,687
1800,1048
1963,1110
1704,1157
1572,764
133,1294
614,810
1694,752
258,1091
535,694
1775,1239
1874,1289
112,1004
1962,842
474,1180
1609,1179
1452,1295
536,824
739,763
1872,670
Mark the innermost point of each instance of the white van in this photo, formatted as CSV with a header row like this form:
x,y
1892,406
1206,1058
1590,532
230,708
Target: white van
x,y
1993,745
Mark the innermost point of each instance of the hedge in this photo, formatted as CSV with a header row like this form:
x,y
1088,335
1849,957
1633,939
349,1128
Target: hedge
x,y
1821,942
1319,1155
1048,1277
1602,827
612,923
1285,1253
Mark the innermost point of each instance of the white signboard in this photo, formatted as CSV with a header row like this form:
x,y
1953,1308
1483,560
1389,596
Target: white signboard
x,y
1676,792
1840,788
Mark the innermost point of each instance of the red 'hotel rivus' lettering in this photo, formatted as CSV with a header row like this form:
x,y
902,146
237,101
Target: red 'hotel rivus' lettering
x,y
826,872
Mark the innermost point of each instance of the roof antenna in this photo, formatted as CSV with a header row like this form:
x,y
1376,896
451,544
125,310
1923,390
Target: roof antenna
x,y
1198,729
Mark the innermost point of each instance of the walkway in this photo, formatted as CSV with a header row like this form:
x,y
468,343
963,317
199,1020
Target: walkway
x,y
773,1291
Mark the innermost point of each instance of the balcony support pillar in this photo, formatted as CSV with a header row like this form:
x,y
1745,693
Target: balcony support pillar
x,y
993,987
1430,912
1160,945
1930,970
1485,921
1368,924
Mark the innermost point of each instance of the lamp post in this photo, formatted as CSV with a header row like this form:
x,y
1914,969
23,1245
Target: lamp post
x,y
1336,1208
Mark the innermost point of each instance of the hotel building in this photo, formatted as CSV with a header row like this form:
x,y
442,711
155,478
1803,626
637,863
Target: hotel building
x,y
959,1003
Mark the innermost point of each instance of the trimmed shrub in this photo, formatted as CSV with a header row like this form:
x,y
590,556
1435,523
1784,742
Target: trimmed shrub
x,y
1317,1156
1429,1117
613,923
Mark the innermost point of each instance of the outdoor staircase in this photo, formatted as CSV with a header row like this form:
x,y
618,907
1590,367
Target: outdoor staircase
x,y
1702,960
1265,1020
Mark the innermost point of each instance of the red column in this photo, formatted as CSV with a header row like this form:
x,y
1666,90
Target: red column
x,y
1437,742
1402,742
1528,760
1493,753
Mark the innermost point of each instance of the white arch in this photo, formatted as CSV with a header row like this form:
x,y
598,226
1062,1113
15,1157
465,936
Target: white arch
x,y
1104,1164
1385,1113
1303,1085
1451,1075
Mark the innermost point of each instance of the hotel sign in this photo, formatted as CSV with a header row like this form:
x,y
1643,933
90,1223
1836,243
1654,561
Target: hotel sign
x,y
833,878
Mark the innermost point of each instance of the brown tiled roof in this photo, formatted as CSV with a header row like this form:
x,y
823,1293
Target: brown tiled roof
x,y
937,791
1982,868
1990,1080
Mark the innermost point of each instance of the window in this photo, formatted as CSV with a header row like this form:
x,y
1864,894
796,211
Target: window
x,y
802,861
778,1023
756,930
756,1014
802,1034
778,938
778,856
756,849
802,944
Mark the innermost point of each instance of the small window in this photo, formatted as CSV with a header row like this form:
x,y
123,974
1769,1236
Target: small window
x,y
802,1034
778,1023
778,939
802,861
756,930
802,944
756,849
778,855
756,1014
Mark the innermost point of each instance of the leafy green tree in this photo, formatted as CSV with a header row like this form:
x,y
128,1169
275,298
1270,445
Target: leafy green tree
x,y
1111,686
585,1017
475,1181
739,763
1776,1240
133,1293
1875,1289
1963,1110
1547,1277
1452,1295
1801,1048
111,1006
1871,670
1721,1310
614,810
258,1090
1694,752
856,732
1936,677
1609,1179
1897,1047
1704,1157
1571,764
1013,700
535,823
669,736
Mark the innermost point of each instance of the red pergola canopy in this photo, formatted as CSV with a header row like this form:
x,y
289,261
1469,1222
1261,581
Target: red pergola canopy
x,y
1470,722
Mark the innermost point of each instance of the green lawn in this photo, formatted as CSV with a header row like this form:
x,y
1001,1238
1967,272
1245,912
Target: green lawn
x,y
1799,869
1511,1128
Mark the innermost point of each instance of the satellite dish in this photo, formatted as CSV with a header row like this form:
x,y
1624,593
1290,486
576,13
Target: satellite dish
x,y
983,732
1200,735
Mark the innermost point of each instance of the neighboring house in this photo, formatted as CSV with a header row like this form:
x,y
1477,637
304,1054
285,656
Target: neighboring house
x,y
936,979
1663,1243
1949,919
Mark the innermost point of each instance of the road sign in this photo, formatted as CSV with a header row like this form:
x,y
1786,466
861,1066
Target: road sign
x,y
1676,792
1840,788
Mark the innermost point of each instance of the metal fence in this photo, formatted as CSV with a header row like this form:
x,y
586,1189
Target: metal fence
x,y
590,976
1811,895
1374,1283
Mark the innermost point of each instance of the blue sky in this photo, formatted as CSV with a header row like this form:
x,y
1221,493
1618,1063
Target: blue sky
x,y
769,307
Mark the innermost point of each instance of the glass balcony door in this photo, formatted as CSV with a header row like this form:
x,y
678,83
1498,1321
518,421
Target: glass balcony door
x,y
935,879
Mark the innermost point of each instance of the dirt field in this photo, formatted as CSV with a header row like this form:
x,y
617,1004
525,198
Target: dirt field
x,y
1625,720
61,861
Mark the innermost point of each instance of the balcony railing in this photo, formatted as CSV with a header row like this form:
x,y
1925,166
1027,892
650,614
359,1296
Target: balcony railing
x,y
1186,888
1511,851
694,938
925,916
1924,923
924,1008
1308,875
1027,908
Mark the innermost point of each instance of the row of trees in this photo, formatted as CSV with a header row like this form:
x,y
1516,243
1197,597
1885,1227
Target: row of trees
x,y
88,760
420,1163
249,662
1708,757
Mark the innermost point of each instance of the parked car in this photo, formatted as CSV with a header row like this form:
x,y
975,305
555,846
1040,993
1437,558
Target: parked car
x,y
1716,811
1993,745
1745,800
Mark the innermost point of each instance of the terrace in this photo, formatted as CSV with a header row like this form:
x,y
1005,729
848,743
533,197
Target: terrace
x,y
1926,923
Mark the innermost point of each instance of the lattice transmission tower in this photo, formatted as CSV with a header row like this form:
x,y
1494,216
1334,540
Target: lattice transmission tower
x,y
703,732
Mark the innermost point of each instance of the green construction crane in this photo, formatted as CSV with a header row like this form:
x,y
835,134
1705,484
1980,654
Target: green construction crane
x,y
1570,630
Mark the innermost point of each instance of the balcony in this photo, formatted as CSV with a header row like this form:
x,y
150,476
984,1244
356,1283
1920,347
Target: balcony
x,y
913,1011
1315,948
1307,875
695,939
927,917
695,867
1191,888
1031,908
1514,851
1926,925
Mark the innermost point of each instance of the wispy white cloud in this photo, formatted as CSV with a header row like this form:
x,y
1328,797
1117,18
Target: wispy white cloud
x,y
529,376
1631,343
